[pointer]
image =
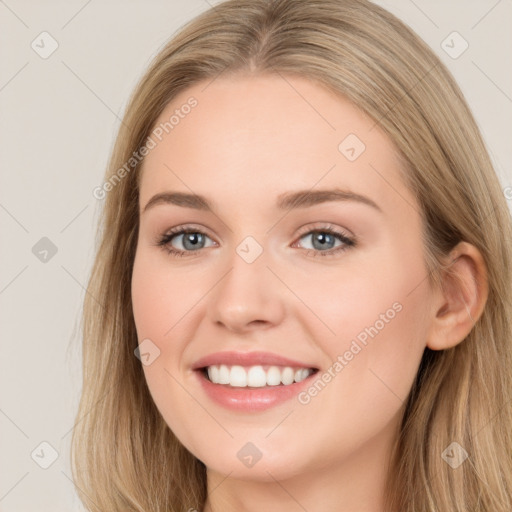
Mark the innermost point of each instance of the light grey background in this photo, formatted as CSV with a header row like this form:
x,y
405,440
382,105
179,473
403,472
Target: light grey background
x,y
59,117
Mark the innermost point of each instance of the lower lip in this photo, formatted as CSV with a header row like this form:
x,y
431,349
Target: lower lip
x,y
251,399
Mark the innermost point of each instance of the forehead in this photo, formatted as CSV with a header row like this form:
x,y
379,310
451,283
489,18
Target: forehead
x,y
255,136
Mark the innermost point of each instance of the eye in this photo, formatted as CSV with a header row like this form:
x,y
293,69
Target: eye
x,y
190,240
323,241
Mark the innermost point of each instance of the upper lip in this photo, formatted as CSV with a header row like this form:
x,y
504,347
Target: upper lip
x,y
247,359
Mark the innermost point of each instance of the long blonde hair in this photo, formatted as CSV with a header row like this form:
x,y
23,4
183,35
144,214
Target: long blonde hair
x,y
124,456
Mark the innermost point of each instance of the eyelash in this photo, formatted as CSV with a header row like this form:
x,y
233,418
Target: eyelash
x,y
348,242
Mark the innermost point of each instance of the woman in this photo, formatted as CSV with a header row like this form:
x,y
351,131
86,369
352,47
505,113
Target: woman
x,y
226,365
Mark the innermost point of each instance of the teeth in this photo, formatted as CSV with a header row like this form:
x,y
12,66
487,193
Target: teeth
x,y
256,376
273,376
287,376
238,377
223,374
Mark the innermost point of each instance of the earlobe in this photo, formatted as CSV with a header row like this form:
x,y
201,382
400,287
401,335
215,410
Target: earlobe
x,y
461,301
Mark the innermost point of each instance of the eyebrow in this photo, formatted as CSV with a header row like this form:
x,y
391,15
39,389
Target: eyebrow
x,y
286,201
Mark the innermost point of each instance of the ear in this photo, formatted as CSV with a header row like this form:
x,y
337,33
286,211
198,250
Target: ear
x,y
461,299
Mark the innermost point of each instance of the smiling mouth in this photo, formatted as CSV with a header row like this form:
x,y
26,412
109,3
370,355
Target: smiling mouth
x,y
256,376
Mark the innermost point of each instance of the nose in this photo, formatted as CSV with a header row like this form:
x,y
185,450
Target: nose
x,y
248,296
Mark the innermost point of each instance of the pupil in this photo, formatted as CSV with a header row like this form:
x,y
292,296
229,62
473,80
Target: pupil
x,y
193,239
323,238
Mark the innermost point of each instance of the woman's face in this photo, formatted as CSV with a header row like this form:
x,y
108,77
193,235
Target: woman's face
x,y
308,259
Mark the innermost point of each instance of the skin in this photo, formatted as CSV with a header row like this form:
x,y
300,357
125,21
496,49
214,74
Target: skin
x,y
249,140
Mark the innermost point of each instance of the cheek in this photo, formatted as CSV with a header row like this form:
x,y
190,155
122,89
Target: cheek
x,y
377,296
374,366
379,325
161,298
159,301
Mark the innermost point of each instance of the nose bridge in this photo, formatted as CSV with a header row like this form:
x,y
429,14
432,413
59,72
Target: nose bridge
x,y
248,293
